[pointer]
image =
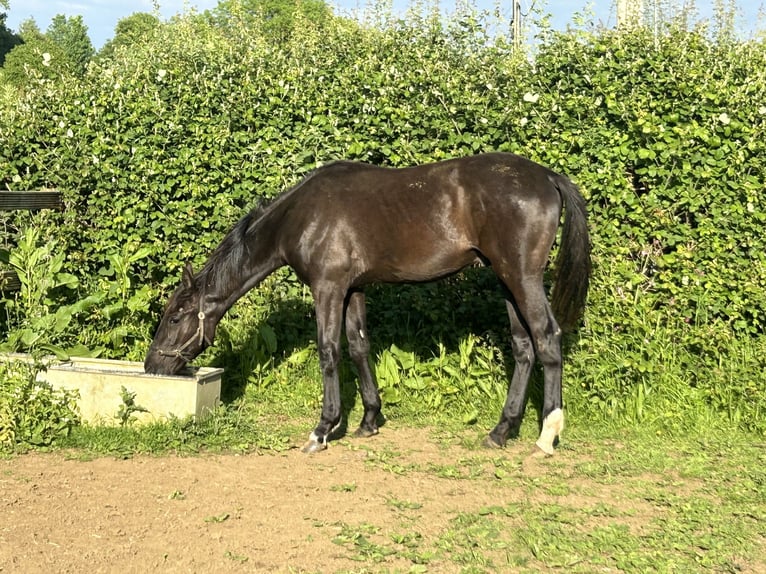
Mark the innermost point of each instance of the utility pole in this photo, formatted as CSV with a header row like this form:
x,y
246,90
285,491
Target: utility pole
x,y
516,23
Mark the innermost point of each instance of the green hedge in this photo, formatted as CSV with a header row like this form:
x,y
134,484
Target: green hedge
x,y
162,147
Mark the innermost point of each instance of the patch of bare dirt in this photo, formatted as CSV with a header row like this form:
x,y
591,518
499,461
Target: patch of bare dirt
x,y
248,513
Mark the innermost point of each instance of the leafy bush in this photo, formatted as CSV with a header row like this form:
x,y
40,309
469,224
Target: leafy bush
x,y
41,317
159,149
663,135
32,414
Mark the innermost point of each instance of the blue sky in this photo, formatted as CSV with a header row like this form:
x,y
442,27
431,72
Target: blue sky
x,y
101,16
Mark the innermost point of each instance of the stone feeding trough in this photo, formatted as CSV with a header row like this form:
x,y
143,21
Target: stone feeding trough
x,y
99,384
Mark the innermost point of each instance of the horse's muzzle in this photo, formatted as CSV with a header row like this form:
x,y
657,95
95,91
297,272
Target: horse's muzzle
x,y
157,363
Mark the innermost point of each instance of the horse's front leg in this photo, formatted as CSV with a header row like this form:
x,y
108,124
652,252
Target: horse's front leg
x,y
328,299
359,349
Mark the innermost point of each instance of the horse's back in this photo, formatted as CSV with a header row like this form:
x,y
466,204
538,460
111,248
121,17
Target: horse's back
x,y
421,222
492,179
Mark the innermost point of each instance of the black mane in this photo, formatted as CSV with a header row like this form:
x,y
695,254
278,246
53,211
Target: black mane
x,y
233,247
219,268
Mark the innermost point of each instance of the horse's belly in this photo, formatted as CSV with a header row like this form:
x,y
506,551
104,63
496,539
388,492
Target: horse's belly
x,y
415,267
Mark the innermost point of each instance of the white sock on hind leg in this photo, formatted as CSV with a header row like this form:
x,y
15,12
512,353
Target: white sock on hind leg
x,y
552,427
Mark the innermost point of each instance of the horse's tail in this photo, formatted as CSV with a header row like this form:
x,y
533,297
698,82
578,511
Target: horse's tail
x,y
573,265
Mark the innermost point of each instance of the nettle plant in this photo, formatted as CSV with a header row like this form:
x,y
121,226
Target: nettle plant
x,y
38,313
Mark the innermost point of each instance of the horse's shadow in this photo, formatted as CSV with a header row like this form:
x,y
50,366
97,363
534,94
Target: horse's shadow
x,y
415,318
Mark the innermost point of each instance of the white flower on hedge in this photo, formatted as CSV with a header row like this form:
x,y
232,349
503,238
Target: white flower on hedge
x,y
523,121
69,133
724,119
46,59
62,124
161,75
531,98
762,110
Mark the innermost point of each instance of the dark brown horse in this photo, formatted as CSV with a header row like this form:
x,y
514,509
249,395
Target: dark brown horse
x,y
349,224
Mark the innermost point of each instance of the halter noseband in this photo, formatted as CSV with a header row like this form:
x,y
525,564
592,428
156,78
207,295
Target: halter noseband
x,y
199,336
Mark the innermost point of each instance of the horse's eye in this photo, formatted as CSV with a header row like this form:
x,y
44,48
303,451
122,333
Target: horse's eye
x,y
176,319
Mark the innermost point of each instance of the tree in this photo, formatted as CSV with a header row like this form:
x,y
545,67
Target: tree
x,y
8,40
130,31
71,35
629,13
30,31
37,56
276,18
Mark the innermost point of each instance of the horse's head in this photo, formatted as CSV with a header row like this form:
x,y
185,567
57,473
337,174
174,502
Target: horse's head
x,y
185,330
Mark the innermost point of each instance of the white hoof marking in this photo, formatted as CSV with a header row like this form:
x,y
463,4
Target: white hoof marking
x,y
314,438
552,427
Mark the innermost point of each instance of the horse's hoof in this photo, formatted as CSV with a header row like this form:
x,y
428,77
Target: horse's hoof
x,y
313,446
552,427
489,442
540,452
362,432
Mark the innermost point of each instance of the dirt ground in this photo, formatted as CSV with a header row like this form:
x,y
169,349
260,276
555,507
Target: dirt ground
x,y
218,513
239,513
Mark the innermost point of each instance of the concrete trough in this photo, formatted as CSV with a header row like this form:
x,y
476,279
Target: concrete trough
x,y
195,392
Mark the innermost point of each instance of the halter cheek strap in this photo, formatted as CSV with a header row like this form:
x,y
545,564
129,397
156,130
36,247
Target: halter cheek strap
x,y
198,336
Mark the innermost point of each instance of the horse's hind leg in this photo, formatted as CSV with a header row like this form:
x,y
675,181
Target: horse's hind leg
x,y
515,402
359,349
533,312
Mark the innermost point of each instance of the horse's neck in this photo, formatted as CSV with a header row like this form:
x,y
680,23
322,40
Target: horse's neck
x,y
245,264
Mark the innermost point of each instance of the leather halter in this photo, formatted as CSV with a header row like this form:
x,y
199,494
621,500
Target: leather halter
x,y
198,336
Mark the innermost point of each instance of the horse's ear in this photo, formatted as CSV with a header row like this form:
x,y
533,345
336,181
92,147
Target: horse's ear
x,y
188,276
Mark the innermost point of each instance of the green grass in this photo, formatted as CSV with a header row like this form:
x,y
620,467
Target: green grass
x,y
610,504
617,497
660,479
